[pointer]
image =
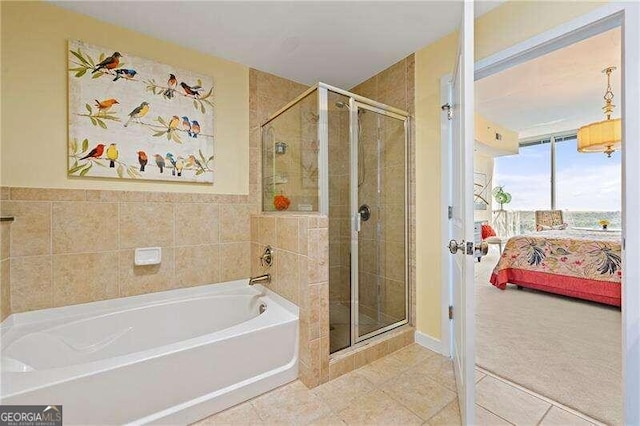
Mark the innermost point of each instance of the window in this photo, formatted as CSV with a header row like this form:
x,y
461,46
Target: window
x,y
526,176
587,187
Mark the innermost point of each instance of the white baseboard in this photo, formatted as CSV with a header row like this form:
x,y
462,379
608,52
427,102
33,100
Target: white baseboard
x,y
430,343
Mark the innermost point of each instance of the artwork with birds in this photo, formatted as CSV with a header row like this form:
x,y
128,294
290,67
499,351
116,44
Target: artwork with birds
x,y
195,129
143,160
138,112
171,83
179,165
124,73
112,155
109,63
159,162
106,105
172,160
134,118
95,152
191,90
173,123
192,161
186,125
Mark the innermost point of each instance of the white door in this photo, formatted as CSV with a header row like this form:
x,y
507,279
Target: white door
x,y
462,245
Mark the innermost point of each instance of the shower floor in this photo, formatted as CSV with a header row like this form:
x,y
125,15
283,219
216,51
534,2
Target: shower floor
x,y
340,325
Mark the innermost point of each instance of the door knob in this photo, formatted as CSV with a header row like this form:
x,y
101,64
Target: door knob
x,y
483,248
455,246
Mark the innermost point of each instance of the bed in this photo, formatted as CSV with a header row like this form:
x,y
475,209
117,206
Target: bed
x,y
579,263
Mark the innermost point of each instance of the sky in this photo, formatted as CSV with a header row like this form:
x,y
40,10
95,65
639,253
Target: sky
x,y
585,181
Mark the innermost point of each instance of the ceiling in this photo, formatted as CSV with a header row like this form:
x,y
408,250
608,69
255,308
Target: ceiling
x,y
560,91
338,42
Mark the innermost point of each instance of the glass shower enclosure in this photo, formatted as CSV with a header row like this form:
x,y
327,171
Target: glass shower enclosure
x,y
345,156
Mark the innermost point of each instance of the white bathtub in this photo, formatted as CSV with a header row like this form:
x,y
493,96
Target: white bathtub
x,y
169,357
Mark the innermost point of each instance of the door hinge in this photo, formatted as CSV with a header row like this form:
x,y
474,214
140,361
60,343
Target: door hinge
x,y
450,212
450,312
447,107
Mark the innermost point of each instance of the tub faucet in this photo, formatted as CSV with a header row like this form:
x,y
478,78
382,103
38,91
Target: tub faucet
x,y
260,279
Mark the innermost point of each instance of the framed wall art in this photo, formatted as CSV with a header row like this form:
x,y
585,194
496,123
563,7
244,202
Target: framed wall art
x,y
134,118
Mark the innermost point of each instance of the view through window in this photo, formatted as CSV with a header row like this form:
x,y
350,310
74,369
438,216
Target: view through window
x,y
588,186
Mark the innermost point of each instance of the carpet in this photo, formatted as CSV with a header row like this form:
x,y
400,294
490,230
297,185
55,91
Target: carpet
x,y
565,349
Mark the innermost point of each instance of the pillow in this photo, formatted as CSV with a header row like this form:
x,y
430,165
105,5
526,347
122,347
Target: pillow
x,y
487,231
552,228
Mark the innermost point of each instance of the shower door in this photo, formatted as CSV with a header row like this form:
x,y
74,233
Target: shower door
x,y
378,210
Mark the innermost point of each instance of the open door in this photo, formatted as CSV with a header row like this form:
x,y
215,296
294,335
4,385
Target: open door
x,y
461,246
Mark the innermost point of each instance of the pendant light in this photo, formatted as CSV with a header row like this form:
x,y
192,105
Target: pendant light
x,y
602,136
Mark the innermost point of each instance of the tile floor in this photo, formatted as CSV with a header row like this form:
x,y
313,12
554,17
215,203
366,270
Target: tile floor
x,y
410,386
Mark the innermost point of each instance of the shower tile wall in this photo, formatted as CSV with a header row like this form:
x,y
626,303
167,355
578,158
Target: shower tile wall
x,y
383,259
293,173
384,264
339,223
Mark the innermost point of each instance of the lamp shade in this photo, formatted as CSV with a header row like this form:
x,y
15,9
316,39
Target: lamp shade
x,y
601,136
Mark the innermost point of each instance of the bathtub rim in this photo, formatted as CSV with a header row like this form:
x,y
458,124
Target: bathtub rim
x,y
102,307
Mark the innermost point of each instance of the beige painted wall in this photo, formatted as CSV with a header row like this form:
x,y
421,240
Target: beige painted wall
x,y
504,26
34,112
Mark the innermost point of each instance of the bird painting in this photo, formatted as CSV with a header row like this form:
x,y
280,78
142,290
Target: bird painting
x,y
192,161
171,83
186,125
191,90
125,73
143,160
179,165
138,113
104,106
109,63
172,160
159,162
95,152
132,118
112,155
195,129
173,123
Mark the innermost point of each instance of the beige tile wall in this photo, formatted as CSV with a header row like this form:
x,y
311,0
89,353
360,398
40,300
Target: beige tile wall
x,y
395,87
5,269
267,94
300,273
77,246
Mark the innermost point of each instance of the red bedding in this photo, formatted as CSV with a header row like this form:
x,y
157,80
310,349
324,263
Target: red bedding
x,y
581,264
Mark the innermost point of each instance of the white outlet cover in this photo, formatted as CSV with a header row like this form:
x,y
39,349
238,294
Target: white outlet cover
x,y
148,256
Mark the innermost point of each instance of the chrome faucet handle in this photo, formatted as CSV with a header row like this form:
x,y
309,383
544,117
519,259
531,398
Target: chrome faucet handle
x,y
266,260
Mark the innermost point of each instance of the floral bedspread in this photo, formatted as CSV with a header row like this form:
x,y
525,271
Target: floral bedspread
x,y
589,255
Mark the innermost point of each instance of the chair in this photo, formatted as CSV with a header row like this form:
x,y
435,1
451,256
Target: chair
x,y
489,236
549,219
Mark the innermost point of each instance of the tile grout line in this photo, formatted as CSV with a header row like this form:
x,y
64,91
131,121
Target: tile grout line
x,y
542,397
497,415
544,415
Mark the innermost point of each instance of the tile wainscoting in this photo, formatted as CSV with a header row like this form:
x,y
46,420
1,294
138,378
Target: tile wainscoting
x,y
77,246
